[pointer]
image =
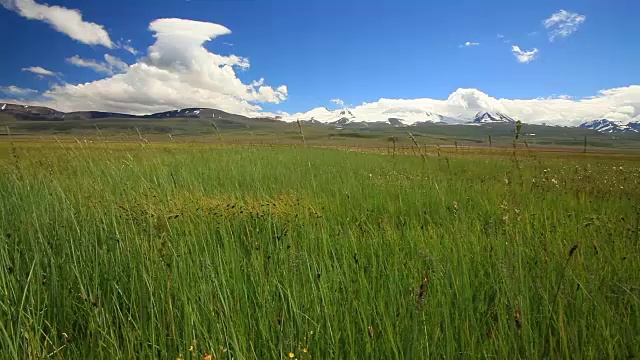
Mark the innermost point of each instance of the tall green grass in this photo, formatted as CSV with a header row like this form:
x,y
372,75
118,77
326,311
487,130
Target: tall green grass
x,y
148,251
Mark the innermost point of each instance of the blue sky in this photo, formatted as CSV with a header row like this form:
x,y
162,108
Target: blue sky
x,y
357,51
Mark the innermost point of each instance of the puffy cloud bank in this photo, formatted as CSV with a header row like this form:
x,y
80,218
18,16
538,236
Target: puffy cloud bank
x,y
177,72
619,104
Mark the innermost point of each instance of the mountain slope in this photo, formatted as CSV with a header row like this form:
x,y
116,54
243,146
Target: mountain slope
x,y
26,112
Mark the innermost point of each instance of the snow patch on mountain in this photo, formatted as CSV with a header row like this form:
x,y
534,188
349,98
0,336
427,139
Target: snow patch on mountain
x,y
611,126
487,117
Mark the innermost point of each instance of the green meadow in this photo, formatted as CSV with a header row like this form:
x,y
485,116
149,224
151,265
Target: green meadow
x,y
195,251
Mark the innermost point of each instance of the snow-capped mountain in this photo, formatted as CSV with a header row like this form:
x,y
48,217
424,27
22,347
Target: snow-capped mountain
x,y
610,126
487,117
402,115
405,116
395,117
325,116
634,125
396,122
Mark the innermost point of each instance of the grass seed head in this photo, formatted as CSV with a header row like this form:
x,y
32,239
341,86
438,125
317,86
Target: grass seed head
x,y
573,250
517,318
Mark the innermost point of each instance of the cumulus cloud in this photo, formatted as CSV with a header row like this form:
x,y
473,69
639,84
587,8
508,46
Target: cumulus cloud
x,y
619,104
524,56
469,44
338,102
17,92
563,23
177,72
66,21
40,71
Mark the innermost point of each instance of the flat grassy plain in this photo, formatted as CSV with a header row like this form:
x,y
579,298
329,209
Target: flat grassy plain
x,y
196,251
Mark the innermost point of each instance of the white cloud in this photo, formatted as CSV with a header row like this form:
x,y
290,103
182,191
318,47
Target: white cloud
x,y
504,40
66,21
40,71
100,67
469,44
111,65
338,102
177,72
15,91
126,45
130,49
621,104
115,63
524,56
563,23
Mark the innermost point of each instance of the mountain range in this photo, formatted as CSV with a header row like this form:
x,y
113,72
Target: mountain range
x,y
401,118
321,115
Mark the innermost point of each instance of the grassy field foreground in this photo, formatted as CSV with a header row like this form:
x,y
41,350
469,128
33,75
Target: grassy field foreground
x,y
185,251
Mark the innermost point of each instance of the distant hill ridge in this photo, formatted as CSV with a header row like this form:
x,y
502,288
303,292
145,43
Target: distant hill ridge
x,y
26,112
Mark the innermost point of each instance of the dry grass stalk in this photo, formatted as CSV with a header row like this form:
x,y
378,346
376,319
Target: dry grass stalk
x,y
423,155
517,318
217,130
301,132
422,290
572,251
